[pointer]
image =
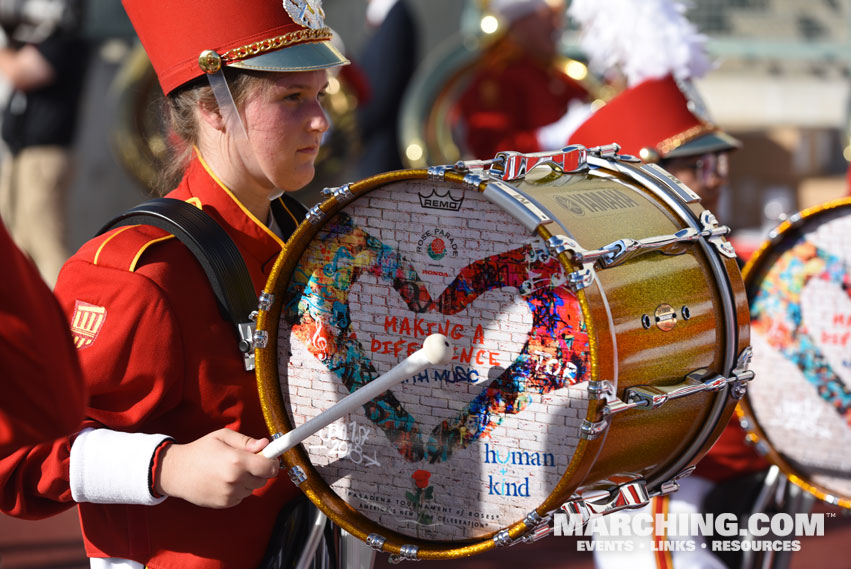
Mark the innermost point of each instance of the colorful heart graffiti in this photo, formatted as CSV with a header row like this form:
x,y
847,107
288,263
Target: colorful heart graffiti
x,y
318,312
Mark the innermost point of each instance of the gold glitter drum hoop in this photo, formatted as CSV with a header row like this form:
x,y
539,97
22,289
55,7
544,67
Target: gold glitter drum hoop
x,y
799,289
590,370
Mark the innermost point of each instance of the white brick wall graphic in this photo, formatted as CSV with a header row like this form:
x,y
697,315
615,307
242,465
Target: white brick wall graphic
x,y
799,422
496,479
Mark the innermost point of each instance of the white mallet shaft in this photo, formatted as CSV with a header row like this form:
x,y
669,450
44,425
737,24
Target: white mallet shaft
x,y
436,350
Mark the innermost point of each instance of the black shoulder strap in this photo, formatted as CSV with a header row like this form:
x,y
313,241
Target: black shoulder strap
x,y
214,250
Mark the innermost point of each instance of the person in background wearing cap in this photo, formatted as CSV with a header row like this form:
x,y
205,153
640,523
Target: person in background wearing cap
x,y
518,97
165,471
660,118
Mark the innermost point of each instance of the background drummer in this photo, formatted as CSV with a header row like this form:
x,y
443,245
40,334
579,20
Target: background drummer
x,y
165,470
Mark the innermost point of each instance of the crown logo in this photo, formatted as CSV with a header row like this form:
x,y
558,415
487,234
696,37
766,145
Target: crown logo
x,y
307,13
441,201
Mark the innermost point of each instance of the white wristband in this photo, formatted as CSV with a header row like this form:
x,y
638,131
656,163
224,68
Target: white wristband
x,y
112,467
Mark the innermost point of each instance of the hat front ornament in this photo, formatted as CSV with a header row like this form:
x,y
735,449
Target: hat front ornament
x,y
308,13
694,101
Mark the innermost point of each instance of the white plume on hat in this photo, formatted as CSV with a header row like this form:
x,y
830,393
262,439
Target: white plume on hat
x,y
646,39
511,10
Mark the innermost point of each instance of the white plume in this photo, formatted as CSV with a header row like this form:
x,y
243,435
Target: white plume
x,y
643,38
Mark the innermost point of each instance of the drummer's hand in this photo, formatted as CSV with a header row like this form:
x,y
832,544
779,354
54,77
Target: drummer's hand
x,y
218,470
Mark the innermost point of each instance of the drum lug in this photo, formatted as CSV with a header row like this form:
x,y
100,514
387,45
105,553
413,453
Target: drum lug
x,y
579,280
266,301
598,390
376,541
473,181
558,244
315,215
673,484
406,553
438,173
502,539
537,528
590,430
341,193
297,475
742,373
606,150
715,233
260,339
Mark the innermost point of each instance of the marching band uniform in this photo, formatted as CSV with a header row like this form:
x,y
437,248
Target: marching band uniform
x,y
157,354
43,397
514,93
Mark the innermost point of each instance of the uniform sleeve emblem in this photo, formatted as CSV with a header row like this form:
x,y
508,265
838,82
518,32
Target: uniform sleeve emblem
x,y
86,323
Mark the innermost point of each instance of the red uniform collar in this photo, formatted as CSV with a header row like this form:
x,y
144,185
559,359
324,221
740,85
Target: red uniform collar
x,y
202,188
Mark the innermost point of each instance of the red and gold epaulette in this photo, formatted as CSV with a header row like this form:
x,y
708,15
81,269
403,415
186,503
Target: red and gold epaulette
x,y
122,247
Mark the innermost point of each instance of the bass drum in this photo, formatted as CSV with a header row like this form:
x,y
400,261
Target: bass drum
x,y
799,288
582,376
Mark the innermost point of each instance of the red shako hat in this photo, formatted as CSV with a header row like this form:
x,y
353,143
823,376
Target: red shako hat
x,y
655,119
185,39
653,45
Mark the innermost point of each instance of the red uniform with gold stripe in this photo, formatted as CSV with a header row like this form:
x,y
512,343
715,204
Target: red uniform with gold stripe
x,y
159,358
43,390
510,97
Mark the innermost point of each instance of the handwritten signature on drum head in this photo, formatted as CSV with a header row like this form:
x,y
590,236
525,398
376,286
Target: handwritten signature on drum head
x,y
340,441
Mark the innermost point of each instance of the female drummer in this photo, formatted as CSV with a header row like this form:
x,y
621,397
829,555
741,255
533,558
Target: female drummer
x,y
165,471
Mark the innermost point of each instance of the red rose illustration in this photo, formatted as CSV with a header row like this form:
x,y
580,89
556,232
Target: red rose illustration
x,y
438,246
421,478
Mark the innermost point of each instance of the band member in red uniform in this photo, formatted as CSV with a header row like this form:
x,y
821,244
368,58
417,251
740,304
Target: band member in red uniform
x,y
43,390
165,471
518,96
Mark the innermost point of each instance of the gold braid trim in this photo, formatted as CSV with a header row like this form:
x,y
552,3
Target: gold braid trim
x,y
274,44
669,144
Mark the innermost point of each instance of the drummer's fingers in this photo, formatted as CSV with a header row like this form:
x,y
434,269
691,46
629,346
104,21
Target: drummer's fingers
x,y
251,483
260,467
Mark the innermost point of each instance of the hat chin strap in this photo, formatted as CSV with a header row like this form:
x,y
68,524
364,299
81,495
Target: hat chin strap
x,y
227,107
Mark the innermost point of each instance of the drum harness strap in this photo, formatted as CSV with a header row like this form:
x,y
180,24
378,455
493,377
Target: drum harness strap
x,y
214,250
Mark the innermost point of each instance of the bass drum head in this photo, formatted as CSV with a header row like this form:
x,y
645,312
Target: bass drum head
x,y
798,410
461,451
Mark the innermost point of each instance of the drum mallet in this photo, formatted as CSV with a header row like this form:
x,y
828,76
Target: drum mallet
x,y
436,350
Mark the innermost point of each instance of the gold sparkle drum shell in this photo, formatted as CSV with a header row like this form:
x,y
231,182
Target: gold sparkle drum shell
x,y
578,370
799,416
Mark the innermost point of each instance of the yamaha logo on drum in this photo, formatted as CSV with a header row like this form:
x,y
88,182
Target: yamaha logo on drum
x,y
595,202
441,201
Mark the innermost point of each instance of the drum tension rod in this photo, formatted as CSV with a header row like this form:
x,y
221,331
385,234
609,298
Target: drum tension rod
x,y
622,250
649,397
537,528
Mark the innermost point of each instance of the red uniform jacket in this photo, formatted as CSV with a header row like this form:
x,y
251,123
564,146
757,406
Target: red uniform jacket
x,y
43,391
163,360
509,98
